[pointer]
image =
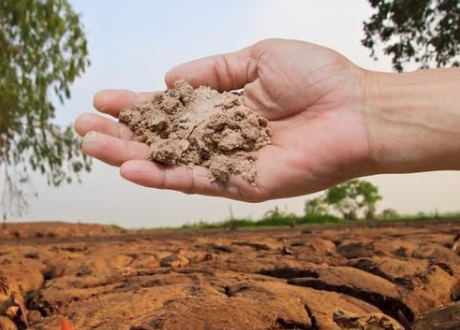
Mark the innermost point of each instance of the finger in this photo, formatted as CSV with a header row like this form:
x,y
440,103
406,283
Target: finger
x,y
181,178
112,101
223,72
190,180
88,122
113,151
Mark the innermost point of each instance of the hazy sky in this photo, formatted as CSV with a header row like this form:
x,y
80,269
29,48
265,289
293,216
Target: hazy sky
x,y
133,43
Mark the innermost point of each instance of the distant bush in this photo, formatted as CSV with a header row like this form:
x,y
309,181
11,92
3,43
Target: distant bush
x,y
352,200
311,219
273,218
316,206
239,223
117,227
389,214
276,217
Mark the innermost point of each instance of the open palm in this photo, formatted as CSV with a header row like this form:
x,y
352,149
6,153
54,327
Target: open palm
x,y
312,96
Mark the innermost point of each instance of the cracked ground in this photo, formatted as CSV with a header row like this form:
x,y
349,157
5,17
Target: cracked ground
x,y
361,276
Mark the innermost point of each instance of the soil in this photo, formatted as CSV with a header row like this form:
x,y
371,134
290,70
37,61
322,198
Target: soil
x,y
184,126
357,277
54,230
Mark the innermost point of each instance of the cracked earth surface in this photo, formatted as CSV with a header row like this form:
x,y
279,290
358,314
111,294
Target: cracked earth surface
x,y
372,276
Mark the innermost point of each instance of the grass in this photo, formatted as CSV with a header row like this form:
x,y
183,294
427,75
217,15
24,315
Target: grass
x,y
117,227
277,220
280,219
420,216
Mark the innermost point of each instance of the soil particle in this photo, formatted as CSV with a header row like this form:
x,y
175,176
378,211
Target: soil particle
x,y
203,127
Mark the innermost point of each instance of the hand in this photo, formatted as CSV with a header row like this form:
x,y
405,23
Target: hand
x,y
313,97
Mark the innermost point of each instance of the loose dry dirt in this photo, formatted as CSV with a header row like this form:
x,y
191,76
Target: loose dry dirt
x,y
374,277
184,126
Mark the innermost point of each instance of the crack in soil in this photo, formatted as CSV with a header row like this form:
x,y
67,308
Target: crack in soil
x,y
314,322
388,305
231,271
291,325
288,273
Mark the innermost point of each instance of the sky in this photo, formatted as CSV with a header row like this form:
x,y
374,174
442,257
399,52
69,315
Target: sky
x,y
133,43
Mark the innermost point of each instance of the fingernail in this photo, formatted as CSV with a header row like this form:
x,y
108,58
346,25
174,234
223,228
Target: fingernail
x,y
99,100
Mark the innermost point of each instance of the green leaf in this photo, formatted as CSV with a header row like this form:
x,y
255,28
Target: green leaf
x,y
43,50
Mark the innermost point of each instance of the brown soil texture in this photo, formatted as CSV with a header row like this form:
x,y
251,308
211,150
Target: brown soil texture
x,y
200,127
397,276
55,230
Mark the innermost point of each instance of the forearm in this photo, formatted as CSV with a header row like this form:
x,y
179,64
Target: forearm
x,y
414,121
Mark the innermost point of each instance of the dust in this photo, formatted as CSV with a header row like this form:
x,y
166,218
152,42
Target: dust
x,y
186,126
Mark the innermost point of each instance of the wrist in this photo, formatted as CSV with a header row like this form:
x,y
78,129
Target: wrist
x,y
413,120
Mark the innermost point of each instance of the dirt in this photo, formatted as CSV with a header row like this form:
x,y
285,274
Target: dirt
x,y
347,320
55,230
357,277
203,127
444,318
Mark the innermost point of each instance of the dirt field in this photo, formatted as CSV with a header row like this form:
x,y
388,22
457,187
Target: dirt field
x,y
354,277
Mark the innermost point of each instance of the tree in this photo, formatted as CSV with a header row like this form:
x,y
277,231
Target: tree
x,y
316,206
43,49
354,198
426,32
389,214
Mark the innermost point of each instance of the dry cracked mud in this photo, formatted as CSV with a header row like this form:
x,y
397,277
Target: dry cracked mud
x,y
401,276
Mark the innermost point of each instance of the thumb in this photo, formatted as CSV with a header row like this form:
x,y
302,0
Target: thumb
x,y
223,72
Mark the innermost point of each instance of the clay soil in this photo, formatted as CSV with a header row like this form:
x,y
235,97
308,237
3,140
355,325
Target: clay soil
x,y
200,127
398,276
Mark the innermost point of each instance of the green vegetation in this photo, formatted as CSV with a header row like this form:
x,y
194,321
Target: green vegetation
x,y
281,221
308,220
419,216
117,227
355,200
43,50
424,32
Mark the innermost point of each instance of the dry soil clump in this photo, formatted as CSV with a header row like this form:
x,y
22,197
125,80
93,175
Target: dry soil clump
x,y
186,126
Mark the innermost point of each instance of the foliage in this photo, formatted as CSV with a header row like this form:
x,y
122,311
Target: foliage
x,y
276,217
354,198
273,218
308,220
117,227
426,32
43,50
351,199
314,219
228,224
316,206
389,214
420,216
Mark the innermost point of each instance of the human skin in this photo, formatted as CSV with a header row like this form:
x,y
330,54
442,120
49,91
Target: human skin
x,y
331,120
